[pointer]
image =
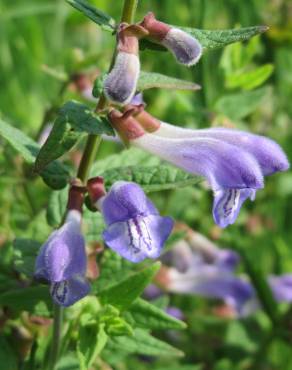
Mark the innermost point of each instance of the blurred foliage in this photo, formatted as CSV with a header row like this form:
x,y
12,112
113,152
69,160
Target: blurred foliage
x,y
248,86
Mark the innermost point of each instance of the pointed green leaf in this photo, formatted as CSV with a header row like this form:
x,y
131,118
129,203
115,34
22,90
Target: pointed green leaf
x,y
123,293
24,299
55,175
74,119
216,39
148,80
56,207
96,15
239,105
155,178
24,253
145,344
251,79
113,268
146,315
92,338
213,39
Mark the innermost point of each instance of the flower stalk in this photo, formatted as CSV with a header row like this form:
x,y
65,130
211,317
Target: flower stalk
x,y
89,154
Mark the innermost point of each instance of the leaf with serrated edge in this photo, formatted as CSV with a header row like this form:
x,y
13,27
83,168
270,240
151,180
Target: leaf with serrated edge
x,y
96,15
55,175
146,315
145,344
155,178
148,80
219,38
215,39
122,294
74,119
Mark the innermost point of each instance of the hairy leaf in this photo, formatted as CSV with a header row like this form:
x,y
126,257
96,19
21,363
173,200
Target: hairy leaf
x,y
145,344
219,38
146,315
123,293
148,80
132,157
55,175
96,15
74,119
213,39
155,178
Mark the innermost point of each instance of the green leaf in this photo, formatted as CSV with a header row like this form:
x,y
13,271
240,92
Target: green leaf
x,y
92,338
96,15
132,157
56,207
239,105
74,119
214,39
55,175
145,344
155,178
25,299
113,268
219,38
149,80
93,223
251,79
7,355
25,252
123,293
146,315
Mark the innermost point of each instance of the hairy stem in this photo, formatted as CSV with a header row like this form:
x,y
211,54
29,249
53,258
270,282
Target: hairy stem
x,y
58,318
87,159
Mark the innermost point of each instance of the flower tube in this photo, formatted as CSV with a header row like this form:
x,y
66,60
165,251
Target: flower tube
x,y
62,258
135,230
186,49
233,162
120,85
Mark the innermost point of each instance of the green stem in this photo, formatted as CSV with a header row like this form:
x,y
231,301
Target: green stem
x,y
87,159
58,318
129,11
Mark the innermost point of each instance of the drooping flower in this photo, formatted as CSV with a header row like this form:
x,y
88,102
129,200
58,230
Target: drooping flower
x,y
186,49
232,161
190,272
62,258
135,229
120,85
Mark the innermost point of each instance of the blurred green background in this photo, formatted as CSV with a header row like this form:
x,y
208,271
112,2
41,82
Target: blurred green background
x,y
248,86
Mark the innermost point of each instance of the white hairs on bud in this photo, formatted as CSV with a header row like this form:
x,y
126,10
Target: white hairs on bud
x,y
186,49
120,85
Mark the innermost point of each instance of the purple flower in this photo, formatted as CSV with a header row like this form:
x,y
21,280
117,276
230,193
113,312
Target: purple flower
x,y
135,230
62,262
210,281
197,269
186,49
120,85
233,162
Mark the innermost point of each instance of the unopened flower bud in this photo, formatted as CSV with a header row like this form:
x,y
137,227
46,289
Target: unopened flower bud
x,y
120,85
186,49
96,190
